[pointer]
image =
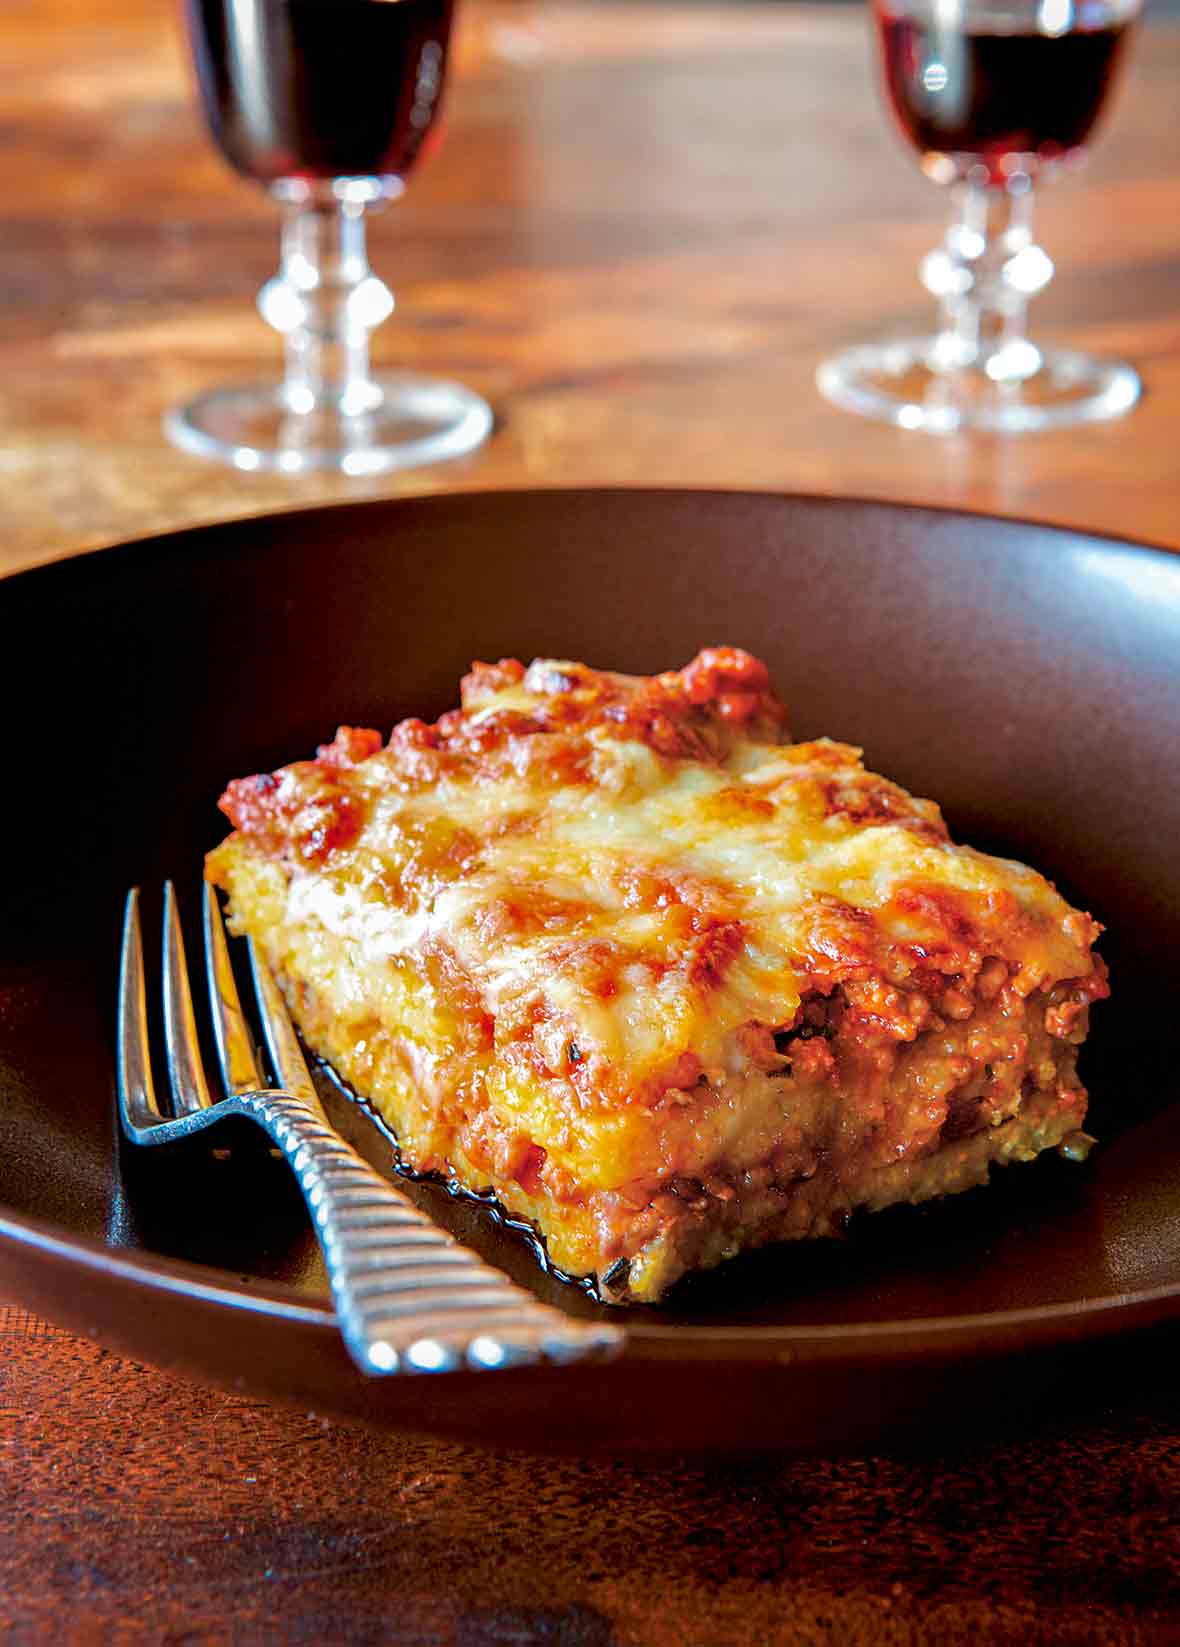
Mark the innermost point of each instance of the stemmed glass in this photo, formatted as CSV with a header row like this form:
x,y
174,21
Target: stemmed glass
x,y
329,104
995,95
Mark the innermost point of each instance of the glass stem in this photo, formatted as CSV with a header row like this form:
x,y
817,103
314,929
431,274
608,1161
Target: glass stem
x,y
325,301
983,274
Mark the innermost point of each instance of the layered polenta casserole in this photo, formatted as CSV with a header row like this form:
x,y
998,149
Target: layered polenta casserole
x,y
669,984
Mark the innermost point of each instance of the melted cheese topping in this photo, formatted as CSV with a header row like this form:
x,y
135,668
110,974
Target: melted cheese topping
x,y
593,906
566,905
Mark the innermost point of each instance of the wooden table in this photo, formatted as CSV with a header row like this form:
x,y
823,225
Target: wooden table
x,y
646,227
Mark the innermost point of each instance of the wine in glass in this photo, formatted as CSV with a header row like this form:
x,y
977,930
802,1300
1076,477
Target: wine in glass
x,y
329,104
995,95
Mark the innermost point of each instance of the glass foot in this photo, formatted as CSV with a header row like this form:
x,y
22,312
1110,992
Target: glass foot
x,y
898,383
413,421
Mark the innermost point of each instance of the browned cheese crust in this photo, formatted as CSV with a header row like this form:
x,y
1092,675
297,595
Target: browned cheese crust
x,y
669,984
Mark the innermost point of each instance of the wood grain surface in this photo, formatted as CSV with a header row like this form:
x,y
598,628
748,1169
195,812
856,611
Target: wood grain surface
x,y
646,227
140,1509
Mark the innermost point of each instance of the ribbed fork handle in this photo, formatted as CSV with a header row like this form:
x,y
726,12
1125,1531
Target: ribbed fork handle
x,y
408,1297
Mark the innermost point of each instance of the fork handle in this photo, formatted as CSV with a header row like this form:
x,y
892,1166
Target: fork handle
x,y
408,1296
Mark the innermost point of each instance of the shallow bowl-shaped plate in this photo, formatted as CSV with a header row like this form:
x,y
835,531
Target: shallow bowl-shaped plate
x,y
1027,678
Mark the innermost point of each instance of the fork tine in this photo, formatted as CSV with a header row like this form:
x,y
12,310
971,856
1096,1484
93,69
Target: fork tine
x,y
281,1043
407,1296
137,1092
240,1069
189,1088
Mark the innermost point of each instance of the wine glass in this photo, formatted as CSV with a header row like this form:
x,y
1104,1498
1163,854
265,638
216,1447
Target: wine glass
x,y
995,95
329,104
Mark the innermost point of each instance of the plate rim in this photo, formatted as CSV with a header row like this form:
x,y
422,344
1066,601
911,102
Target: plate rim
x,y
281,1301
297,512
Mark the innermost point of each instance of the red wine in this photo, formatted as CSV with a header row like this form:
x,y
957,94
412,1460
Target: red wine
x,y
980,96
320,88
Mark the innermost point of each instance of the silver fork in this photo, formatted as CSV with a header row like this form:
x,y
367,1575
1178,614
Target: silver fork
x,y
408,1297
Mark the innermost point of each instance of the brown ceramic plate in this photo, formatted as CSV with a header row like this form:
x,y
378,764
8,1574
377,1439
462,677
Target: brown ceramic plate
x,y
1028,678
